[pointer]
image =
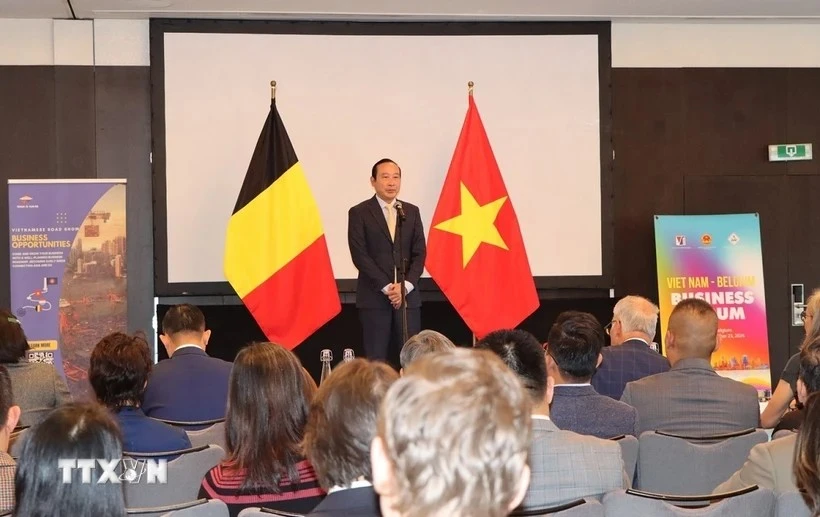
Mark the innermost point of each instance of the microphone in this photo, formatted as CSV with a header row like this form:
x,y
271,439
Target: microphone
x,y
400,210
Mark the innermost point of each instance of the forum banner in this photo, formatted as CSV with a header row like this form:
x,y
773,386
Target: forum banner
x,y
718,258
68,269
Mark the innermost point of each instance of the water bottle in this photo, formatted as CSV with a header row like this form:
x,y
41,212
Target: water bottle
x,y
348,355
326,357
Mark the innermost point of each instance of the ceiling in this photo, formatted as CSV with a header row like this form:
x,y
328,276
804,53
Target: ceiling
x,y
413,9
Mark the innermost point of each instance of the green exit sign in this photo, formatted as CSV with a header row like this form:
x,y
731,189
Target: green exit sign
x,y
788,152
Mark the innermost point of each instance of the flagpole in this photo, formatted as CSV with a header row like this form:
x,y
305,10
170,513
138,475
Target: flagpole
x,y
470,86
273,90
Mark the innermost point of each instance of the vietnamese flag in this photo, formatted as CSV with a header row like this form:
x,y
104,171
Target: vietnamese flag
x,y
475,251
276,256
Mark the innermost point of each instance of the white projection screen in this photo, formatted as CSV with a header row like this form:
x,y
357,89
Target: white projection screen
x,y
348,100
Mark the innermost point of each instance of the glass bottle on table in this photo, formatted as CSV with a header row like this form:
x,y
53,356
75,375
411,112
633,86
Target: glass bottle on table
x,y
348,355
326,356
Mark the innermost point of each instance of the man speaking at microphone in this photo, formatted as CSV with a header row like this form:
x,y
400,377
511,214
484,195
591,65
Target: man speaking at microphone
x,y
372,234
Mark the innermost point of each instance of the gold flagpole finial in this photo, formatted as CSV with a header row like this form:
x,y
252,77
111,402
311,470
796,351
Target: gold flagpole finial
x,y
470,86
272,90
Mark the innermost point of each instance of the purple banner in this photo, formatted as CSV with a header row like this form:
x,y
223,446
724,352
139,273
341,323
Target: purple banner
x,y
68,269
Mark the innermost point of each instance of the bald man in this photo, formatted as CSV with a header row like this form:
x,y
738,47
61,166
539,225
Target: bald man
x,y
691,398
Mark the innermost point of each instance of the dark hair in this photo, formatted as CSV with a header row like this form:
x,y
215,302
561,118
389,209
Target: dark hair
x,y
268,399
73,430
375,168
183,318
13,341
421,344
574,343
809,371
807,454
119,368
342,421
6,395
523,354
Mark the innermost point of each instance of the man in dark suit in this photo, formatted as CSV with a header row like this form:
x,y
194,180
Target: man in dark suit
x,y
372,228
189,386
337,439
630,357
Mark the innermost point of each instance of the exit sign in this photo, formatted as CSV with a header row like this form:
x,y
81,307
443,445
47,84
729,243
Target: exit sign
x,y
788,152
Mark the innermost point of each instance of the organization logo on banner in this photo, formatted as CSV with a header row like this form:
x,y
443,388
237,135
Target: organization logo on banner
x,y
25,202
733,239
706,239
680,240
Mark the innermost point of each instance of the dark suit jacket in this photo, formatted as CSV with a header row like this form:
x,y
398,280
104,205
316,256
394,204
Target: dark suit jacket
x,y
581,410
375,255
190,386
143,434
358,502
627,362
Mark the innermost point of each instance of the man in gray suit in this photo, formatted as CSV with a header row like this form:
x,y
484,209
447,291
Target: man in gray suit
x,y
771,464
691,398
565,466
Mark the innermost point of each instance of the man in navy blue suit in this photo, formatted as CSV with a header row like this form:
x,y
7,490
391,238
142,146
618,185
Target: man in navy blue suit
x,y
630,357
190,386
371,232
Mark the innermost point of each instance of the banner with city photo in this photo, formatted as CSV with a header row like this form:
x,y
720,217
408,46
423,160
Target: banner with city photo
x,y
68,269
718,258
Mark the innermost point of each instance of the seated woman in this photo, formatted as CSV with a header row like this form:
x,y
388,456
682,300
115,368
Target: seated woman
x,y
807,455
118,372
269,395
71,431
38,387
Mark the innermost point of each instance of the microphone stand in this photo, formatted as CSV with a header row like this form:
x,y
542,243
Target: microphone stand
x,y
401,269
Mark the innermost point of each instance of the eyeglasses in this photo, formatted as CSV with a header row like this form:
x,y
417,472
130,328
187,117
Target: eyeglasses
x,y
608,327
803,316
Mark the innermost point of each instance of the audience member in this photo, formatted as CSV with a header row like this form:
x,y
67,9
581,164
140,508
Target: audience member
x,y
453,438
807,456
38,387
771,464
421,344
574,348
269,396
691,398
9,415
565,466
190,386
786,389
119,369
73,430
630,357
341,425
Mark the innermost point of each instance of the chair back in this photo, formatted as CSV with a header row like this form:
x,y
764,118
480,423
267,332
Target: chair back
x,y
211,435
791,504
748,502
629,453
183,480
578,508
688,465
266,512
197,508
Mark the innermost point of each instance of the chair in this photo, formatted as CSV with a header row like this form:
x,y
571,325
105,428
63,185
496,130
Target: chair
x,y
782,434
184,477
629,452
791,504
16,441
214,434
748,502
197,508
266,512
193,426
578,508
691,465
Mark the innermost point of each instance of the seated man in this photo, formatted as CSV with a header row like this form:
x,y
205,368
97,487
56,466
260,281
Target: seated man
x,y
9,415
118,372
189,386
692,399
423,343
565,465
453,438
340,427
771,464
573,351
630,357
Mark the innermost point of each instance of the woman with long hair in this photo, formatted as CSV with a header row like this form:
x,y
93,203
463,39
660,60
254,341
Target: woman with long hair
x,y
38,387
269,396
807,455
786,389
72,431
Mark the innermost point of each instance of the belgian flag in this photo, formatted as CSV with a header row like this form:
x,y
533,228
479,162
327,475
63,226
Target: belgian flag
x,y
276,256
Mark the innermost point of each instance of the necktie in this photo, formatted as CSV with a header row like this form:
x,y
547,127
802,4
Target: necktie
x,y
391,221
